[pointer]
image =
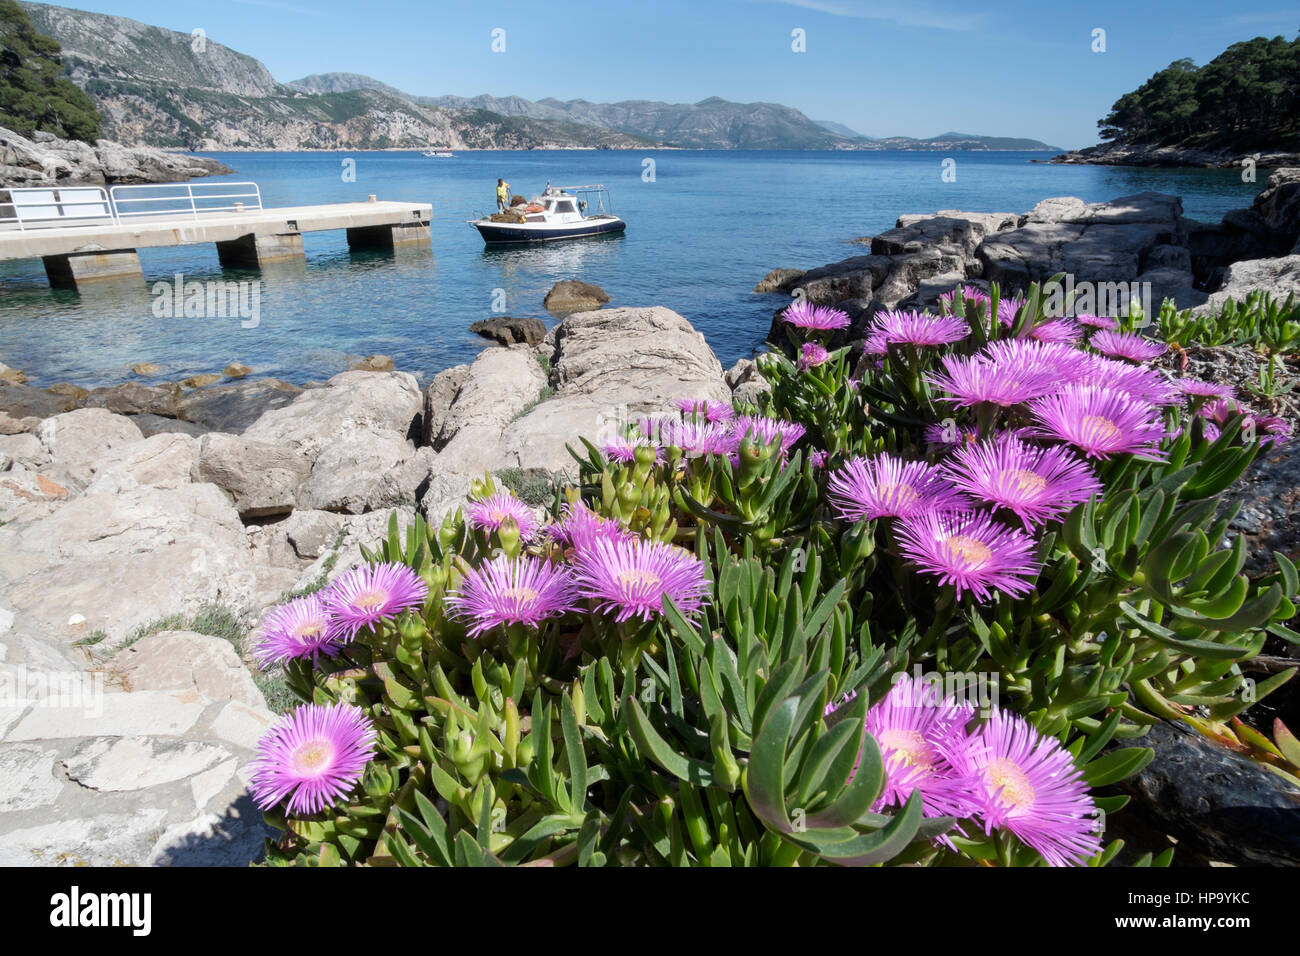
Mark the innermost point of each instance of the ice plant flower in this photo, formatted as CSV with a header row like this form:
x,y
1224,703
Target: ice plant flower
x,y
970,294
811,355
1127,345
1060,331
1101,422
710,410
1142,382
695,437
1197,388
296,630
1096,321
979,378
972,552
1029,785
889,487
1008,308
623,449
368,594
918,732
764,431
817,457
579,527
1037,484
631,578
507,590
313,756
491,513
804,315
918,328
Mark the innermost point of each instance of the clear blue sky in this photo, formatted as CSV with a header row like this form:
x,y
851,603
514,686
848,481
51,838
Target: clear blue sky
x,y
1017,68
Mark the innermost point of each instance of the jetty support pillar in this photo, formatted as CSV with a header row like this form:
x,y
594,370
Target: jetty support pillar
x,y
254,250
75,269
397,235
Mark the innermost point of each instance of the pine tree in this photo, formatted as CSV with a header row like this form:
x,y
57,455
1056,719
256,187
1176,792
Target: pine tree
x,y
34,93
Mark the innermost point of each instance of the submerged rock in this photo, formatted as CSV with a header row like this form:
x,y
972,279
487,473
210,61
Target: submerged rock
x,y
509,330
570,295
232,408
374,363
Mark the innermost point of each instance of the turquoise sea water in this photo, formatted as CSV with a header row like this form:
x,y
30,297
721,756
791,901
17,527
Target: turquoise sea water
x,y
700,234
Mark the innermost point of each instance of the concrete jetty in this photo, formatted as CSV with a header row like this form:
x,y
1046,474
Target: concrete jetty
x,y
76,254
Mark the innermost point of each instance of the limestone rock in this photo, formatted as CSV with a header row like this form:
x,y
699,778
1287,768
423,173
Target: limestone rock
x,y
184,660
236,370
132,398
77,440
259,478
163,461
1279,277
11,376
115,561
611,366
438,397
384,401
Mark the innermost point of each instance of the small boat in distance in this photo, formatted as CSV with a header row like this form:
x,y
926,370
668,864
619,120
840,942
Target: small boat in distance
x,y
559,213
439,153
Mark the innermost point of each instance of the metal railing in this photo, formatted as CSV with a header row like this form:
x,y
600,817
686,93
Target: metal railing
x,y
32,207
44,207
194,199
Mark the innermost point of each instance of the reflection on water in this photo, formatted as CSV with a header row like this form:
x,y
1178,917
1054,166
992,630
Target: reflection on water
x,y
698,238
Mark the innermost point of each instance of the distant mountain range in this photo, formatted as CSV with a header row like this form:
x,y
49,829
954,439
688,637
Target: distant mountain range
x,y
163,88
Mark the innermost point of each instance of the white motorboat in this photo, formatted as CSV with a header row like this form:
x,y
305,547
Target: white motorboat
x,y
439,153
563,212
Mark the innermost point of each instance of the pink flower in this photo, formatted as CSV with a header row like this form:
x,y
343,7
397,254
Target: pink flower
x,y
888,487
1028,784
504,591
971,552
313,756
1036,484
1102,422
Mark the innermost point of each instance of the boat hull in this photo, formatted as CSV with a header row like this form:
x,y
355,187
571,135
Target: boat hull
x,y
507,233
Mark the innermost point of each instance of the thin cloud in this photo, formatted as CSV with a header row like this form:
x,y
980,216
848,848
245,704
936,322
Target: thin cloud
x,y
901,14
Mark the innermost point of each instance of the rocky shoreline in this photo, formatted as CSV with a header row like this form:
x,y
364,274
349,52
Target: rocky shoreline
x,y
1138,154
45,160
145,528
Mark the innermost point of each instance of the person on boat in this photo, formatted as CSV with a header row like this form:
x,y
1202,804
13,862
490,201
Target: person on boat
x,y
503,195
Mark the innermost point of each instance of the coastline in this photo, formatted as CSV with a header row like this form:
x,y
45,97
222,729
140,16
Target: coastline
x,y
1173,157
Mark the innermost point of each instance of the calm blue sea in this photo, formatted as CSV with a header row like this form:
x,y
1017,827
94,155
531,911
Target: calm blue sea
x,y
700,234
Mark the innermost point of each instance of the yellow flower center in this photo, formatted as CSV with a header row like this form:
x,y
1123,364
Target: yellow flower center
x,y
639,578
1008,781
1027,481
971,551
372,599
520,595
312,756
901,494
309,630
909,748
499,515
1099,428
